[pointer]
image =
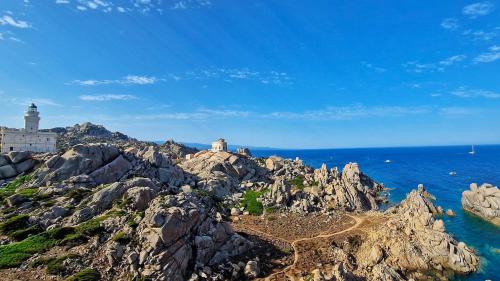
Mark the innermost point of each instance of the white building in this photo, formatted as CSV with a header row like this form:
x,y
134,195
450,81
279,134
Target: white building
x,y
219,145
29,138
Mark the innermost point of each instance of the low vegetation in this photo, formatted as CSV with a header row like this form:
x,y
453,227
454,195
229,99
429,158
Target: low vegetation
x,y
13,254
251,204
88,274
121,238
54,265
10,188
297,182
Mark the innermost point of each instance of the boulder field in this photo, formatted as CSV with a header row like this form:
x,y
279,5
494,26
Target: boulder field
x,y
144,212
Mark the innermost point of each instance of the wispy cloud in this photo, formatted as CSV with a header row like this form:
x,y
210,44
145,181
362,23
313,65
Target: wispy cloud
x,y
350,112
127,80
238,74
42,101
478,9
24,101
464,92
492,55
374,68
187,4
455,111
9,20
450,23
141,6
480,35
453,59
108,97
417,67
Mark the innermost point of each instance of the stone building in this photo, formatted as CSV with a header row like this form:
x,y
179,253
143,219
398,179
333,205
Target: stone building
x,y
29,138
219,145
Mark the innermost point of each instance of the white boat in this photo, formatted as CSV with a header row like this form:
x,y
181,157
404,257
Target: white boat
x,y
453,173
472,151
387,161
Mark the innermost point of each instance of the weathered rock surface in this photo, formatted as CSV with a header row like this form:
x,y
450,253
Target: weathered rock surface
x,y
412,240
178,231
303,189
483,201
145,211
15,163
101,162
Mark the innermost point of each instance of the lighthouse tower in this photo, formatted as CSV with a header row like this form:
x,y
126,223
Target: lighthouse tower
x,y
31,119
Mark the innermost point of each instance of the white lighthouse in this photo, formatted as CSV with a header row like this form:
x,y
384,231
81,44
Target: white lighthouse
x,y
31,119
29,138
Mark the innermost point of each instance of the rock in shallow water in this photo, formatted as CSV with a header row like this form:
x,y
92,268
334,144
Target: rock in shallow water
x,y
483,202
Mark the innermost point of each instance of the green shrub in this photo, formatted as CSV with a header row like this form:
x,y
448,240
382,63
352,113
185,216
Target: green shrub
x,y
132,223
10,188
121,238
90,227
28,192
77,194
251,204
13,254
270,210
54,264
88,274
24,233
74,239
297,182
14,223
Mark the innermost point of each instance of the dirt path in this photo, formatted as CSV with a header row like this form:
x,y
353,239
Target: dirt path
x,y
294,243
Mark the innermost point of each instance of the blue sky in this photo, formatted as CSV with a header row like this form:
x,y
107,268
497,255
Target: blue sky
x,y
292,74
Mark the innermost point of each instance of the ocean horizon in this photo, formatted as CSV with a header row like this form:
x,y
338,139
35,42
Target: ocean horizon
x,y
430,166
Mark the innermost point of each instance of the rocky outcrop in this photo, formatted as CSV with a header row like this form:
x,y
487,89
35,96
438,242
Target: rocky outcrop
x,y
303,190
179,231
413,241
15,163
103,163
176,150
88,133
483,201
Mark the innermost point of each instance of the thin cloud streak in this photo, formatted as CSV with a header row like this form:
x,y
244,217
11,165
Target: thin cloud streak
x,y
464,92
108,97
478,9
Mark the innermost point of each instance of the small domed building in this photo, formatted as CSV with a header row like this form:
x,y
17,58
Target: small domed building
x,y
219,145
29,138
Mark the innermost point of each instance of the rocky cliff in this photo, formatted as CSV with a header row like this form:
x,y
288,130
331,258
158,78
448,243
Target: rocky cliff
x,y
125,210
86,133
483,201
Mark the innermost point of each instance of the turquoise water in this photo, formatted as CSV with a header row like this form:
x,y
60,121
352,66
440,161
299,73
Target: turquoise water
x,y
429,166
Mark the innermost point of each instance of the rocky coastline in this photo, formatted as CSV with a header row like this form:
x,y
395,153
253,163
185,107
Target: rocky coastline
x,y
110,207
483,201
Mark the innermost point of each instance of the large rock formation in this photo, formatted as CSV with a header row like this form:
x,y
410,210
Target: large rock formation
x,y
15,163
134,210
87,133
483,201
413,241
103,163
303,189
178,231
176,150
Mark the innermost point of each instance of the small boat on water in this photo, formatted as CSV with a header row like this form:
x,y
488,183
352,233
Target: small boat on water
x,y
453,173
387,161
472,152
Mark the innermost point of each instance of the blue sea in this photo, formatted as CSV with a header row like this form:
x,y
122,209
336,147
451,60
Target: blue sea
x,y
430,166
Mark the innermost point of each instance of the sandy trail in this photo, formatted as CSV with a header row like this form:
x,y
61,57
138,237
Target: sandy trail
x,y
293,243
